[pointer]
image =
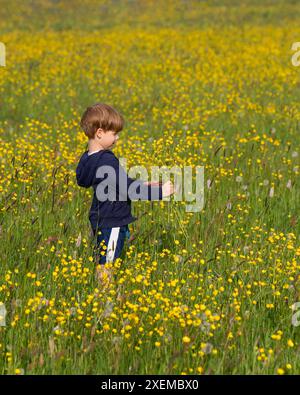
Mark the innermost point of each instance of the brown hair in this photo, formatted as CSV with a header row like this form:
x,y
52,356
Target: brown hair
x,y
102,116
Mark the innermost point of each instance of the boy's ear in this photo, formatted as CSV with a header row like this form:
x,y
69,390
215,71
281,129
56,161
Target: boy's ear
x,y
99,133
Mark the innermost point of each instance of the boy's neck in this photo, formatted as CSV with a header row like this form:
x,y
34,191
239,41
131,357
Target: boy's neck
x,y
93,145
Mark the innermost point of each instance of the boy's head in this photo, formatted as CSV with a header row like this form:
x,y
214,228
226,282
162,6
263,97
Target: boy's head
x,y
102,123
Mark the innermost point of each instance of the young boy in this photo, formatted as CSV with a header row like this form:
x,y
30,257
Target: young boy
x,y
109,219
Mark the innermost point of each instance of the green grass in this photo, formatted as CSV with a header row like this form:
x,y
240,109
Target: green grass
x,y
198,83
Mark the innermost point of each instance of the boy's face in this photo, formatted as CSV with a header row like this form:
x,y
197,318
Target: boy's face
x,y
107,139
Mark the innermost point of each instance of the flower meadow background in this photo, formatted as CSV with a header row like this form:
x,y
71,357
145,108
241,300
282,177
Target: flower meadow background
x,y
198,83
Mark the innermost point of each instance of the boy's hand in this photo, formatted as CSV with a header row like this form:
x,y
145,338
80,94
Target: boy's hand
x,y
153,183
167,189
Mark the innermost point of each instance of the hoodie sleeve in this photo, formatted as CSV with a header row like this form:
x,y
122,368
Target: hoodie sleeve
x,y
125,186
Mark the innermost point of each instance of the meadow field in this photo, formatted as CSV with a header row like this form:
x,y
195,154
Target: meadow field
x,y
199,84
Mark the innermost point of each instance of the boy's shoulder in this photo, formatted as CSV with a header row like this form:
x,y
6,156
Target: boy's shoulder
x,y
105,155
88,165
99,158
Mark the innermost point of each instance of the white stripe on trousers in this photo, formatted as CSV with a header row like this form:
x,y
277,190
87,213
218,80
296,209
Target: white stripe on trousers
x,y
112,244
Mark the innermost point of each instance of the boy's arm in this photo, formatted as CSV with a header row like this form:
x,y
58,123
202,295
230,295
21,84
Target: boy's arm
x,y
127,185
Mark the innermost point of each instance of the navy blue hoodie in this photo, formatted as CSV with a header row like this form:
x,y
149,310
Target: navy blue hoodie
x,y
107,213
